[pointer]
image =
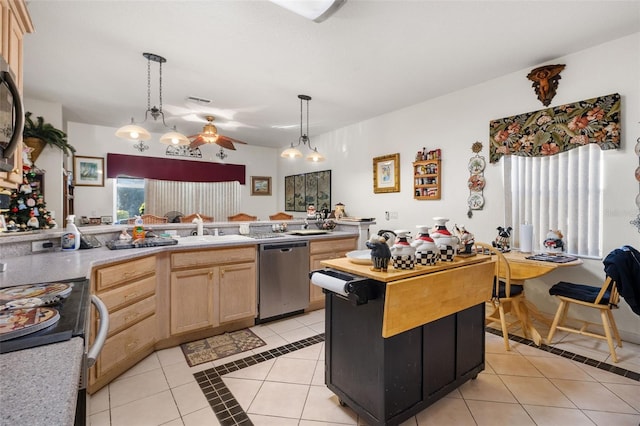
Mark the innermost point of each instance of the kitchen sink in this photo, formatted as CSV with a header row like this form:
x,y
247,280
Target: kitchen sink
x,y
210,239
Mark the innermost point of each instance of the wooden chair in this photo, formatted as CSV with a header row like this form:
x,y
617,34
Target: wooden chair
x,y
189,218
242,217
281,216
504,293
602,298
148,218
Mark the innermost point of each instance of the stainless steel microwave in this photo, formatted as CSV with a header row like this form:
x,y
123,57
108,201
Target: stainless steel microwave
x,y
11,117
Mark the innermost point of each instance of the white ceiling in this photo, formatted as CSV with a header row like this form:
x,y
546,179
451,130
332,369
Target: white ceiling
x,y
252,58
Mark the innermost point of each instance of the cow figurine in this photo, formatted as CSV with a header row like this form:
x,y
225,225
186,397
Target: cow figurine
x,y
553,242
380,252
502,240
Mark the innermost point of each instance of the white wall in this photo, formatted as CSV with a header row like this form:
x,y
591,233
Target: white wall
x,y
454,122
97,141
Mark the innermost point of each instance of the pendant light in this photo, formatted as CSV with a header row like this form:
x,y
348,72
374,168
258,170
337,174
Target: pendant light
x,y
134,132
293,152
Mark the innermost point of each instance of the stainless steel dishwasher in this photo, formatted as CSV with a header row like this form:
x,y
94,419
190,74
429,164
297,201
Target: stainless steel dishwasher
x,y
283,279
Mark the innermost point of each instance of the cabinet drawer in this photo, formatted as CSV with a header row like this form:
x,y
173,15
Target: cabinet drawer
x,y
122,345
129,315
119,297
114,275
211,257
342,244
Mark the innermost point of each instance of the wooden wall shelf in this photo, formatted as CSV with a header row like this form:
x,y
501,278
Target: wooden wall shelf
x,y
427,179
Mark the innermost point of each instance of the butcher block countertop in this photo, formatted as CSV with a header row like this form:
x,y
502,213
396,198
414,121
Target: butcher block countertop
x,y
427,293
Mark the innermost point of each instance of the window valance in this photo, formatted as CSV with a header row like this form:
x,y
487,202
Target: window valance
x,y
559,129
120,165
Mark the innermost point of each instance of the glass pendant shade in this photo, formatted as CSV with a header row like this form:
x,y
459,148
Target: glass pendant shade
x,y
315,157
291,153
133,132
174,138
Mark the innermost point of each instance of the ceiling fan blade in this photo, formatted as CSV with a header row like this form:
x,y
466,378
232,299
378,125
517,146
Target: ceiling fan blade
x,y
196,142
233,140
224,142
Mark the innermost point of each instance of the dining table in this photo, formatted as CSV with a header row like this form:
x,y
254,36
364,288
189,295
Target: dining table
x,y
527,266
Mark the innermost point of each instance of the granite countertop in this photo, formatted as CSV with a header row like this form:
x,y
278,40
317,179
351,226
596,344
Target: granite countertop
x,y
39,386
59,265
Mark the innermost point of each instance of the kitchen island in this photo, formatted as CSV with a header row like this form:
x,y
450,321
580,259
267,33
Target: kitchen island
x,y
408,338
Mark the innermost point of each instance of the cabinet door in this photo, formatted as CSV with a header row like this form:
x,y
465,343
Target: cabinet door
x,y
315,292
192,300
238,290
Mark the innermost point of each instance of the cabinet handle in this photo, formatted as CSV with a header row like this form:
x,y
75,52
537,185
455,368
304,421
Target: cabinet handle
x,y
132,344
134,315
211,274
127,296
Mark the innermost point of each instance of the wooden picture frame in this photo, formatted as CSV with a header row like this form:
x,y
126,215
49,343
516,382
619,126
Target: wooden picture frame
x,y
88,171
386,173
260,185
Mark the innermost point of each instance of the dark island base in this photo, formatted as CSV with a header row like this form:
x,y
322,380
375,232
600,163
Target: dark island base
x,y
386,381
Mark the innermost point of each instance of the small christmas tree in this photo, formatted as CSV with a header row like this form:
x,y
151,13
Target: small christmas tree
x,y
27,210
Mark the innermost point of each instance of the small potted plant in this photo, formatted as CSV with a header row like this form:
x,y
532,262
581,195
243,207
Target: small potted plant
x,y
39,134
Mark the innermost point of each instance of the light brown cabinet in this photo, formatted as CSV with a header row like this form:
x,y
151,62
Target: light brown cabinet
x,y
128,291
325,250
427,175
212,287
14,23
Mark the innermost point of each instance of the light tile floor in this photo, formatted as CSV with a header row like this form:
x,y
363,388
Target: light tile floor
x,y
525,386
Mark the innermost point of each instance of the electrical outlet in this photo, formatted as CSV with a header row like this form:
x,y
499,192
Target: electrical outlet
x,y
37,246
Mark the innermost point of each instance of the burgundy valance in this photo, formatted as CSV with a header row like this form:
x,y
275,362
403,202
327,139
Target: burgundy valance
x,y
119,165
559,129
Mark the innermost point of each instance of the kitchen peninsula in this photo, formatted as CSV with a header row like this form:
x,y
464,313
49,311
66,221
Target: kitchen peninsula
x,y
139,300
407,338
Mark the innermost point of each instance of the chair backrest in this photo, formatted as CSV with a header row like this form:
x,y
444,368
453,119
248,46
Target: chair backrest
x,y
281,216
148,218
242,217
610,286
503,269
189,218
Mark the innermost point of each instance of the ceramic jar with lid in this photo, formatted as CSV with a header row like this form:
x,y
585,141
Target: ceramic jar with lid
x,y
403,255
427,252
446,242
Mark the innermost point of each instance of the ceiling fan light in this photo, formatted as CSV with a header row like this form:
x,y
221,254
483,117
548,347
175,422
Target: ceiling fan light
x,y
133,132
315,156
291,153
174,138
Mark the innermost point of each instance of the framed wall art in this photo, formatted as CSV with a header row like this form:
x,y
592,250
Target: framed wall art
x,y
307,188
260,185
88,171
386,173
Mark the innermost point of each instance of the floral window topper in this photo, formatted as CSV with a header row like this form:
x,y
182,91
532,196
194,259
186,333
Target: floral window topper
x,y
553,130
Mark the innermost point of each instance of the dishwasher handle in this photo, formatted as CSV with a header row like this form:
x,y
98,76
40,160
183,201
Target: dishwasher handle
x,y
284,247
103,314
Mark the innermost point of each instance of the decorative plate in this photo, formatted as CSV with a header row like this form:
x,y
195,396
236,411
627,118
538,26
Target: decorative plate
x,y
361,257
476,182
476,165
638,200
475,201
33,290
638,174
19,322
638,147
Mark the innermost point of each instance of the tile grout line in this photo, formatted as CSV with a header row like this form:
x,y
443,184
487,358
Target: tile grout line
x,y
230,413
224,405
570,355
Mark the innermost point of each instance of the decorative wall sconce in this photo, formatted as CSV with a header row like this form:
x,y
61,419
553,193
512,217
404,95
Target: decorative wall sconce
x,y
545,81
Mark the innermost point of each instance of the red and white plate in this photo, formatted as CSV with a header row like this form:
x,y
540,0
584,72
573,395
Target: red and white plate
x,y
8,294
20,322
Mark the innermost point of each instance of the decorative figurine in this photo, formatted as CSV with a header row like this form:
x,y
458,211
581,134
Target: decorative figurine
x,y
380,252
502,240
553,243
447,243
427,252
402,254
466,239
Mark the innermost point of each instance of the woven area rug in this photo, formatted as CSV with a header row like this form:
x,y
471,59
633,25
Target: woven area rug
x,y
221,346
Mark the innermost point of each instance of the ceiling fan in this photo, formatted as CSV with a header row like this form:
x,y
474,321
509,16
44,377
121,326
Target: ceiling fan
x,y
210,135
